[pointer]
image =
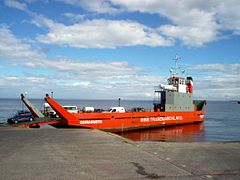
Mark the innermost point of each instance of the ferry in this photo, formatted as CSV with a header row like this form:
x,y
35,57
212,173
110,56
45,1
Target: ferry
x,y
173,105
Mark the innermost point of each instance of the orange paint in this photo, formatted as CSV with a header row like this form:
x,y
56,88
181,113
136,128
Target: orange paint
x,y
115,122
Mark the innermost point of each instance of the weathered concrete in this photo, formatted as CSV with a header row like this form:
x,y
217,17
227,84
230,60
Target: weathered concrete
x,y
93,154
206,160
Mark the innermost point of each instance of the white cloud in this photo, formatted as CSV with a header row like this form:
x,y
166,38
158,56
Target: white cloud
x,y
36,86
95,70
217,88
82,84
19,53
227,13
102,33
74,17
194,22
71,76
219,68
191,22
13,48
41,21
35,79
218,81
100,6
16,4
97,33
11,78
190,36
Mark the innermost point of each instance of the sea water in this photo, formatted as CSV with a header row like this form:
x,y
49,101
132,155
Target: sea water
x,y
222,122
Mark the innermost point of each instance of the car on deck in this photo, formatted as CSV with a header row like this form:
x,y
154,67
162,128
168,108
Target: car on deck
x,y
21,116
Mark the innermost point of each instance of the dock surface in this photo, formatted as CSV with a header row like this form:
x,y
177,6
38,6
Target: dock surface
x,y
92,154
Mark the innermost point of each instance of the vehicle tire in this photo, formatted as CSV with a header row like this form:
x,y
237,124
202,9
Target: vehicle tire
x,y
16,121
30,119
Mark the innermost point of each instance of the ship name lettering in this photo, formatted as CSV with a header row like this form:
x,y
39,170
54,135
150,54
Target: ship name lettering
x,y
163,118
91,122
146,119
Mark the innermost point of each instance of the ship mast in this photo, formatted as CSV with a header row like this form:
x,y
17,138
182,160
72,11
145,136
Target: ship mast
x,y
174,71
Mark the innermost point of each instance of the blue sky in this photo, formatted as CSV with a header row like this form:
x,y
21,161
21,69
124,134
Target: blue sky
x,y
105,49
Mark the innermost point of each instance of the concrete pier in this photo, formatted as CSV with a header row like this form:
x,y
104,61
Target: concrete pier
x,y
93,154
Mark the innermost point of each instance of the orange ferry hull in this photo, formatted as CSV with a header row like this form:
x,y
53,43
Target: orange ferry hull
x,y
115,122
126,121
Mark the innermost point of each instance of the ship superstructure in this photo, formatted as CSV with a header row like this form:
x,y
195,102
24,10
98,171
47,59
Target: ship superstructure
x,y
177,95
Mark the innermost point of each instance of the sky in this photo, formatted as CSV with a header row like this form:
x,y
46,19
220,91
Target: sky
x,y
110,49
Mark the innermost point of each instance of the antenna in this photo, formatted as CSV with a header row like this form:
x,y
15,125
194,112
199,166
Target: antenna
x,y
175,71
